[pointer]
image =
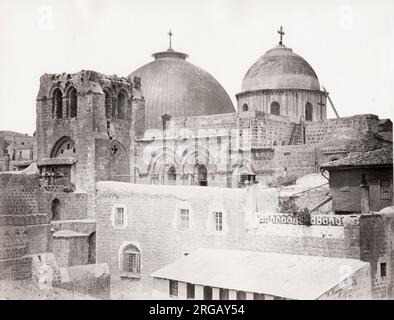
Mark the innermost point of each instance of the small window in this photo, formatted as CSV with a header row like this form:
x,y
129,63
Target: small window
x,y
245,107
131,260
207,293
241,295
386,190
218,221
173,288
119,216
383,270
190,291
258,296
223,294
275,108
172,175
184,219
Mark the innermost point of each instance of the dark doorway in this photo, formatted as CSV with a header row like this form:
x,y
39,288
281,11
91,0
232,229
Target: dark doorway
x,y
202,175
55,208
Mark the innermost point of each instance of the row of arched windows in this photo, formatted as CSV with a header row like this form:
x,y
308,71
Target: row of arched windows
x,y
114,107
275,109
71,104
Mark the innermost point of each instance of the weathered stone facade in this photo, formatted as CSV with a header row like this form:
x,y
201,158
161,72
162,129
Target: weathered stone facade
x,y
152,213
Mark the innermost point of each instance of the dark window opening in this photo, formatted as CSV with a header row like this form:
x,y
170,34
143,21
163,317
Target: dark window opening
x,y
202,176
190,291
223,294
308,112
241,295
245,107
258,296
207,293
386,189
173,288
275,108
122,105
57,104
73,101
383,269
172,175
109,110
55,208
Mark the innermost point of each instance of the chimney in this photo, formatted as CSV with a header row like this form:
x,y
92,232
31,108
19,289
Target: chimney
x,y
364,195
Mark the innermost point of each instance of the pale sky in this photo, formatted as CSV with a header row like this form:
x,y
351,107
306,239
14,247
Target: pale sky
x,y
349,44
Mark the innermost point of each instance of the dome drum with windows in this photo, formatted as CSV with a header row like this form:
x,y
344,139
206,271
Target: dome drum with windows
x,y
282,83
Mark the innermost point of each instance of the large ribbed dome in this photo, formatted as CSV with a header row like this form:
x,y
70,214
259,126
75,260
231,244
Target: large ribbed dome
x,y
173,86
280,68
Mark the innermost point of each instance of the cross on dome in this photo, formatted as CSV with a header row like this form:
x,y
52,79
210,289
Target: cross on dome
x,y
282,33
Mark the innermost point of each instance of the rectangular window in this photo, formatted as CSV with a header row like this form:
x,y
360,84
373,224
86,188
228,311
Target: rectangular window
x,y
207,293
258,296
184,219
223,294
383,269
386,189
173,287
119,216
218,221
241,295
190,291
131,262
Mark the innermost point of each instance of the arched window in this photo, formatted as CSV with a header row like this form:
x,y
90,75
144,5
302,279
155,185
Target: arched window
x,y
275,108
57,104
64,147
275,143
109,110
131,260
122,105
308,112
55,208
172,175
245,107
73,102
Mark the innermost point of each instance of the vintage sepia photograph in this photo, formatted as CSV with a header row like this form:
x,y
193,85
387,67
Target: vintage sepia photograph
x,y
196,150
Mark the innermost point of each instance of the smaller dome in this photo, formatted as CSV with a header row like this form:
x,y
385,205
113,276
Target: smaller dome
x,y
280,68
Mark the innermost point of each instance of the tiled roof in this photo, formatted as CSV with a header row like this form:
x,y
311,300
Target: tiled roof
x,y
379,157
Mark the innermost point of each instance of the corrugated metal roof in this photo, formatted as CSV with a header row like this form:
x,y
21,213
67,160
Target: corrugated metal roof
x,y
283,275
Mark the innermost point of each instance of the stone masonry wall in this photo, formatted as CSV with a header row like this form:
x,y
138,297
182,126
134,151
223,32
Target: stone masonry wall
x,y
151,215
